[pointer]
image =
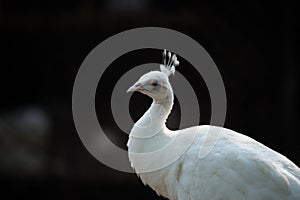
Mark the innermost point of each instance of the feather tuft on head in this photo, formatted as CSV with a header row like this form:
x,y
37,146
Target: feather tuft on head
x,y
168,66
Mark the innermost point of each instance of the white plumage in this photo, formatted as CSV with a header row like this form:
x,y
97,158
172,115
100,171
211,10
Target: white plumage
x,y
236,167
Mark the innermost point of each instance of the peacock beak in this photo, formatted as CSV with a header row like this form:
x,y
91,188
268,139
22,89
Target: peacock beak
x,y
136,87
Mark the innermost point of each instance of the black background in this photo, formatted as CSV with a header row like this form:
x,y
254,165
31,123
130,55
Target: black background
x,y
43,44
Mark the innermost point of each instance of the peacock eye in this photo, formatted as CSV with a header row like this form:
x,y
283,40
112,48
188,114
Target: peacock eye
x,y
154,84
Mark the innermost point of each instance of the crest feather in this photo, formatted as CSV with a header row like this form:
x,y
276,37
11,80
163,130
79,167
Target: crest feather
x,y
169,63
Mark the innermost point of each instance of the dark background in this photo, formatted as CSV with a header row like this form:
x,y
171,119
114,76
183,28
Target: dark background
x,y
43,44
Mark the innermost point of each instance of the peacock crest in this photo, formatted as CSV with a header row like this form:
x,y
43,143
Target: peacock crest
x,y
169,63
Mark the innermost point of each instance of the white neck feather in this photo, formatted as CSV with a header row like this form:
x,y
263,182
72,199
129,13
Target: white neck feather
x,y
166,102
150,130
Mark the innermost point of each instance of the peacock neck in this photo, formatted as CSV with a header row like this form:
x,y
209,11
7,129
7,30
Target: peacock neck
x,y
148,133
166,103
154,119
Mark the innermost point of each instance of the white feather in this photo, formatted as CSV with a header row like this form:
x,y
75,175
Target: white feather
x,y
237,167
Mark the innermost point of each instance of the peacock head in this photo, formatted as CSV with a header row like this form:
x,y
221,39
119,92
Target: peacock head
x,y
156,84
